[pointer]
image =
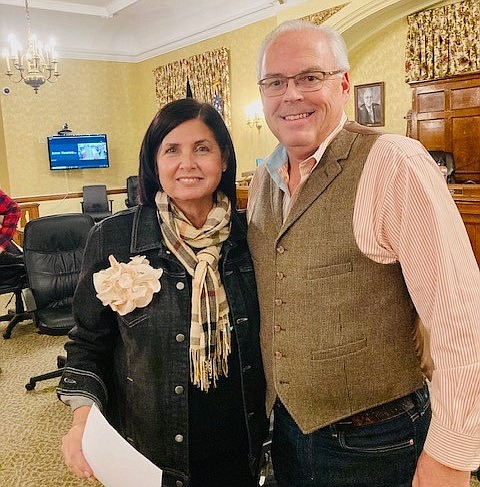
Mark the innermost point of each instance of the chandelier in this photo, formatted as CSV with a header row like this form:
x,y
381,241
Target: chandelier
x,y
38,64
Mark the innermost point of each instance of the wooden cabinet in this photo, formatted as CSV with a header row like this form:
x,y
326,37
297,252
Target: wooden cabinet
x,y
446,117
467,199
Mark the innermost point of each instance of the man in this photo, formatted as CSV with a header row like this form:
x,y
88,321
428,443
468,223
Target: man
x,y
369,113
9,215
353,234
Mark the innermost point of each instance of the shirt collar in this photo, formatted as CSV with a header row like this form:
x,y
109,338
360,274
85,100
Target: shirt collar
x,y
279,157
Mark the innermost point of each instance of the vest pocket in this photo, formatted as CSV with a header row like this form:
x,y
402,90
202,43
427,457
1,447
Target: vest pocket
x,y
340,351
328,271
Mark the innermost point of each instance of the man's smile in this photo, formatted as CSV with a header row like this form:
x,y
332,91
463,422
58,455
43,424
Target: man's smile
x,y
297,116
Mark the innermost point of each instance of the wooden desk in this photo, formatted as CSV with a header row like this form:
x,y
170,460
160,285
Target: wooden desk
x,y
467,199
242,197
29,212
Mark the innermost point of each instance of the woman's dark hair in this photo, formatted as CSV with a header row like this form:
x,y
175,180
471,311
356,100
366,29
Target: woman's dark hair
x,y
169,117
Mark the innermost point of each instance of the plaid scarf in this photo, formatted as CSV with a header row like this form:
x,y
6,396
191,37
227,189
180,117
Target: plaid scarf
x,y
210,327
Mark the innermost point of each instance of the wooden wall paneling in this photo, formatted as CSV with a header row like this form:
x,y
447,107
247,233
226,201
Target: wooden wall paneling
x,y
465,147
446,116
432,133
470,211
467,199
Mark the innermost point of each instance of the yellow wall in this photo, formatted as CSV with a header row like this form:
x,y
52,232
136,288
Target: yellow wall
x,y
92,97
4,179
383,59
119,99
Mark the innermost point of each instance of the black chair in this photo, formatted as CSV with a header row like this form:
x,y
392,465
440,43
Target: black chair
x,y
13,280
132,191
446,159
53,250
95,202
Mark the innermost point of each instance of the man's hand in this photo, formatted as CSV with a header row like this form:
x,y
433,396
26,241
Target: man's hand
x,y
430,473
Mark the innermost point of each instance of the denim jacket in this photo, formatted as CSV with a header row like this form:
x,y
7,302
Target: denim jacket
x,y
136,367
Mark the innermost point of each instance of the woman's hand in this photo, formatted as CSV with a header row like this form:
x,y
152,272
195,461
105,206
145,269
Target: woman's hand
x,y
72,446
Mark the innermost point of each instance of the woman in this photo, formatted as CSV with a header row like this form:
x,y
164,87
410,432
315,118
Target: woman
x,y
167,345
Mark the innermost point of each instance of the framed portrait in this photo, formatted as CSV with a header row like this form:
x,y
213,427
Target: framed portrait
x,y
370,104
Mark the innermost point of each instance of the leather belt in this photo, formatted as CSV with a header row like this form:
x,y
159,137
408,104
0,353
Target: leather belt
x,y
379,413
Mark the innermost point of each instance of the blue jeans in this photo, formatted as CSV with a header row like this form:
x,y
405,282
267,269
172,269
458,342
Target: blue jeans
x,y
382,454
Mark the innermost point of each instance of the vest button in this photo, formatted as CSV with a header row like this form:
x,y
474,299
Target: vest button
x,y
178,483
278,354
180,337
280,275
179,438
278,301
280,249
180,285
179,390
277,328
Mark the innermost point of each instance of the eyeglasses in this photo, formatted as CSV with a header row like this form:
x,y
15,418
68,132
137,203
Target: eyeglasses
x,y
305,82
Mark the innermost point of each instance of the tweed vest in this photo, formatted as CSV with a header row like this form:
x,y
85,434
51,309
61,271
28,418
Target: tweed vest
x,y
336,327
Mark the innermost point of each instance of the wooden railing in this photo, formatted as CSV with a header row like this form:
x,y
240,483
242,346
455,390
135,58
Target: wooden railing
x,y
29,212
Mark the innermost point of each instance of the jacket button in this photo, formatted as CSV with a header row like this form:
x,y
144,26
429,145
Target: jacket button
x,y
280,275
278,354
180,285
180,337
278,301
277,328
179,438
179,390
280,249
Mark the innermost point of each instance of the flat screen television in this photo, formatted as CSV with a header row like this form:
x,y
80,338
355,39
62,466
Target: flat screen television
x,y
78,151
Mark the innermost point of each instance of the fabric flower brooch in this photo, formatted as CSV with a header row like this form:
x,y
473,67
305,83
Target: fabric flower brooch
x,y
126,286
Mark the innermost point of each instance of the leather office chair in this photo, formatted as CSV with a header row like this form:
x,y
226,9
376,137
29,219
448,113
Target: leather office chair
x,y
13,279
132,191
53,250
95,202
446,159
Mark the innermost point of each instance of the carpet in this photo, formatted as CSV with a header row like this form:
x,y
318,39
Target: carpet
x,y
32,423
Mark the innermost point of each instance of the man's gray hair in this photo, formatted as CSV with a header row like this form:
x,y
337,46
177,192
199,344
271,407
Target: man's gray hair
x,y
334,39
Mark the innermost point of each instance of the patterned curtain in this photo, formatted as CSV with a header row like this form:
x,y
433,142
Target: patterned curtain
x,y
208,75
323,15
171,81
443,42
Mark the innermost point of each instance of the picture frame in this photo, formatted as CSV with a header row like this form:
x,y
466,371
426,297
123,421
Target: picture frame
x,y
370,104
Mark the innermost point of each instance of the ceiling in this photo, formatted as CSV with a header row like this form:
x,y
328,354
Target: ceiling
x,y
129,30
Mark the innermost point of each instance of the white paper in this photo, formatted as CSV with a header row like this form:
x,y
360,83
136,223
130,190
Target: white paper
x,y
113,460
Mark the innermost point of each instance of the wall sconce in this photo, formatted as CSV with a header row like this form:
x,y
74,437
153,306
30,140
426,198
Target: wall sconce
x,y
255,118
